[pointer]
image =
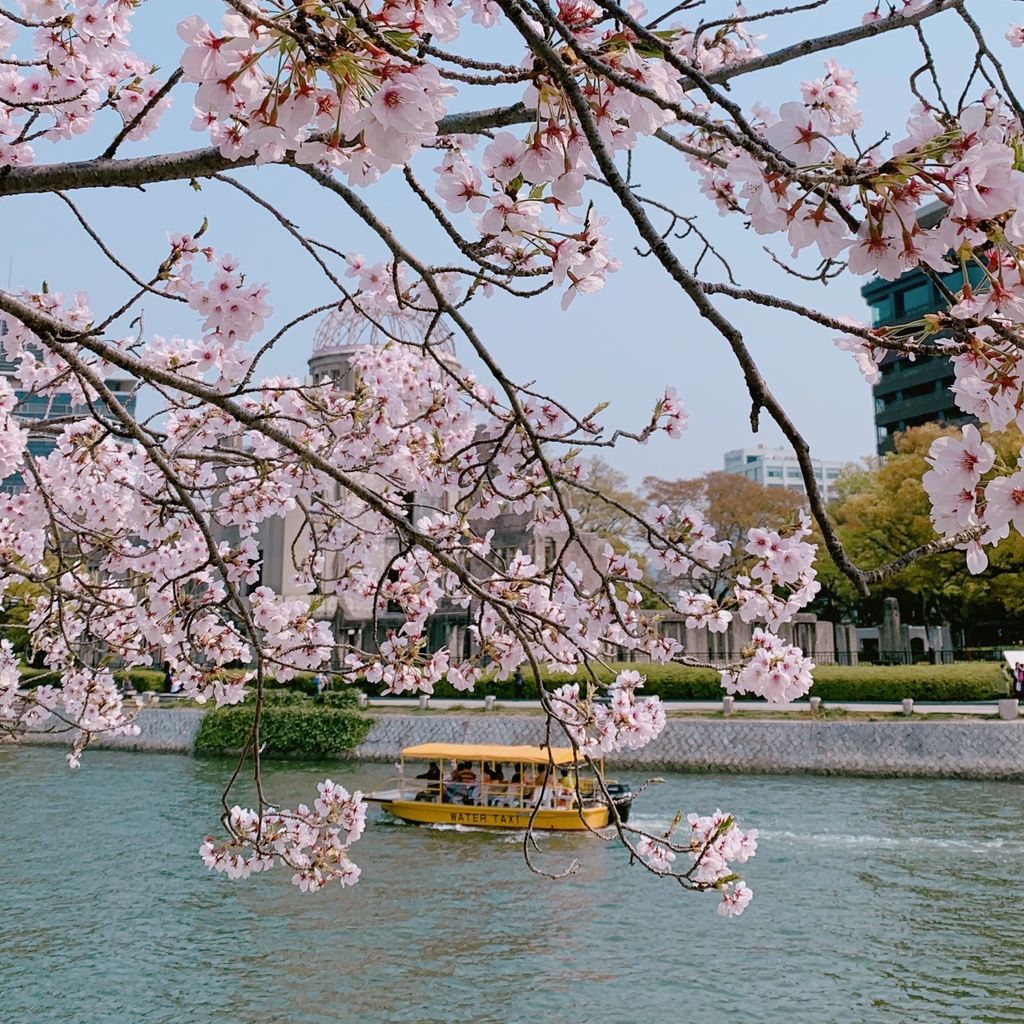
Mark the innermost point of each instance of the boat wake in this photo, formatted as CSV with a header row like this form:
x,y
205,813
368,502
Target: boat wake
x,y
840,839
843,840
514,836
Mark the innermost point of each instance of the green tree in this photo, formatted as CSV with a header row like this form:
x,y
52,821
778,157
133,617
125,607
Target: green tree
x,y
602,513
883,510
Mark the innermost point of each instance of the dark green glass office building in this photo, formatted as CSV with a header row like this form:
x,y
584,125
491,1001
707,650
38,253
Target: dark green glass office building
x,y
56,406
911,392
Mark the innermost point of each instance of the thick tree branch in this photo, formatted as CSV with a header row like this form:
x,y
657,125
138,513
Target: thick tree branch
x,y
835,39
135,172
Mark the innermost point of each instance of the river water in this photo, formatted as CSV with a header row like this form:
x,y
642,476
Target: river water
x,y
890,901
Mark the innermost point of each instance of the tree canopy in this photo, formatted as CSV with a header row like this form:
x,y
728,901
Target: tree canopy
x,y
883,509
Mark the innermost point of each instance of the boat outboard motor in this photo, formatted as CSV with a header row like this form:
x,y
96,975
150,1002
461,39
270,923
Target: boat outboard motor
x,y
622,797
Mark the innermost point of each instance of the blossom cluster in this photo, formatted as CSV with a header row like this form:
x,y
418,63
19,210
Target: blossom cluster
x,y
313,842
682,543
714,844
782,579
80,64
624,723
953,486
772,669
776,581
261,96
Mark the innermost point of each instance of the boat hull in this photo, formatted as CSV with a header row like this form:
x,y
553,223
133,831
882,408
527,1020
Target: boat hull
x,y
424,813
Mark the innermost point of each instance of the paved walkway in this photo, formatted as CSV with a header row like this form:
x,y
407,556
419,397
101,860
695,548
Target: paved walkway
x,y
989,707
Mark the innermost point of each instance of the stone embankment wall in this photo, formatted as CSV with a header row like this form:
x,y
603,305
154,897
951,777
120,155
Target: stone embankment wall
x,y
952,749
171,730
968,749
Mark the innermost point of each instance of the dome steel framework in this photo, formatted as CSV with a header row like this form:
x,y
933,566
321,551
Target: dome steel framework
x,y
352,326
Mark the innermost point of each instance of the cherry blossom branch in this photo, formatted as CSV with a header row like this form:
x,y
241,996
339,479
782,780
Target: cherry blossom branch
x,y
150,104
761,396
983,50
873,337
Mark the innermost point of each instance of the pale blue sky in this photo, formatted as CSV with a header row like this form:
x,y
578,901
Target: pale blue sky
x,y
622,345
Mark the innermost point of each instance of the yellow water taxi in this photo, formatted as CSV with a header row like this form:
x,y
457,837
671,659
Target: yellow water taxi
x,y
489,786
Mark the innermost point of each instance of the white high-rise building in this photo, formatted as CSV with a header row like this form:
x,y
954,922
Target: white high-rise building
x,y
778,467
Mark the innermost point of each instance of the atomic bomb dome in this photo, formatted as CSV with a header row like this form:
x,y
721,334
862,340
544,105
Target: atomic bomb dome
x,y
350,327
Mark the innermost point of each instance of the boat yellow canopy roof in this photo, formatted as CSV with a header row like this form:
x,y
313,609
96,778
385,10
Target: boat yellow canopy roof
x,y
491,752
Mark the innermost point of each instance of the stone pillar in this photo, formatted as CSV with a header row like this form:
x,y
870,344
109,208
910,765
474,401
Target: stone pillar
x,y
740,634
845,643
825,643
890,639
946,634
696,643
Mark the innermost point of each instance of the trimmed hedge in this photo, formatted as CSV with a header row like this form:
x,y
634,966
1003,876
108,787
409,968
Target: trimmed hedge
x,y
144,679
957,682
973,680
960,681
289,728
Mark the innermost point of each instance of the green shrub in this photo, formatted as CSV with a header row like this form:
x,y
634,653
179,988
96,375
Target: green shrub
x,y
297,729
343,698
144,679
275,696
19,637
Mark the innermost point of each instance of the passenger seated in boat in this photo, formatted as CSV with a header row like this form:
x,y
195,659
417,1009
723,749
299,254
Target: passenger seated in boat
x,y
495,790
432,790
525,789
451,790
544,794
463,786
565,795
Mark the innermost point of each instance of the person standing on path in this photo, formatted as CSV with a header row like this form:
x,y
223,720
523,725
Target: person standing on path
x,y
519,683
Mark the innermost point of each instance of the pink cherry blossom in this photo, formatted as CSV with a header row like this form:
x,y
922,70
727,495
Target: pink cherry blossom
x,y
800,134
